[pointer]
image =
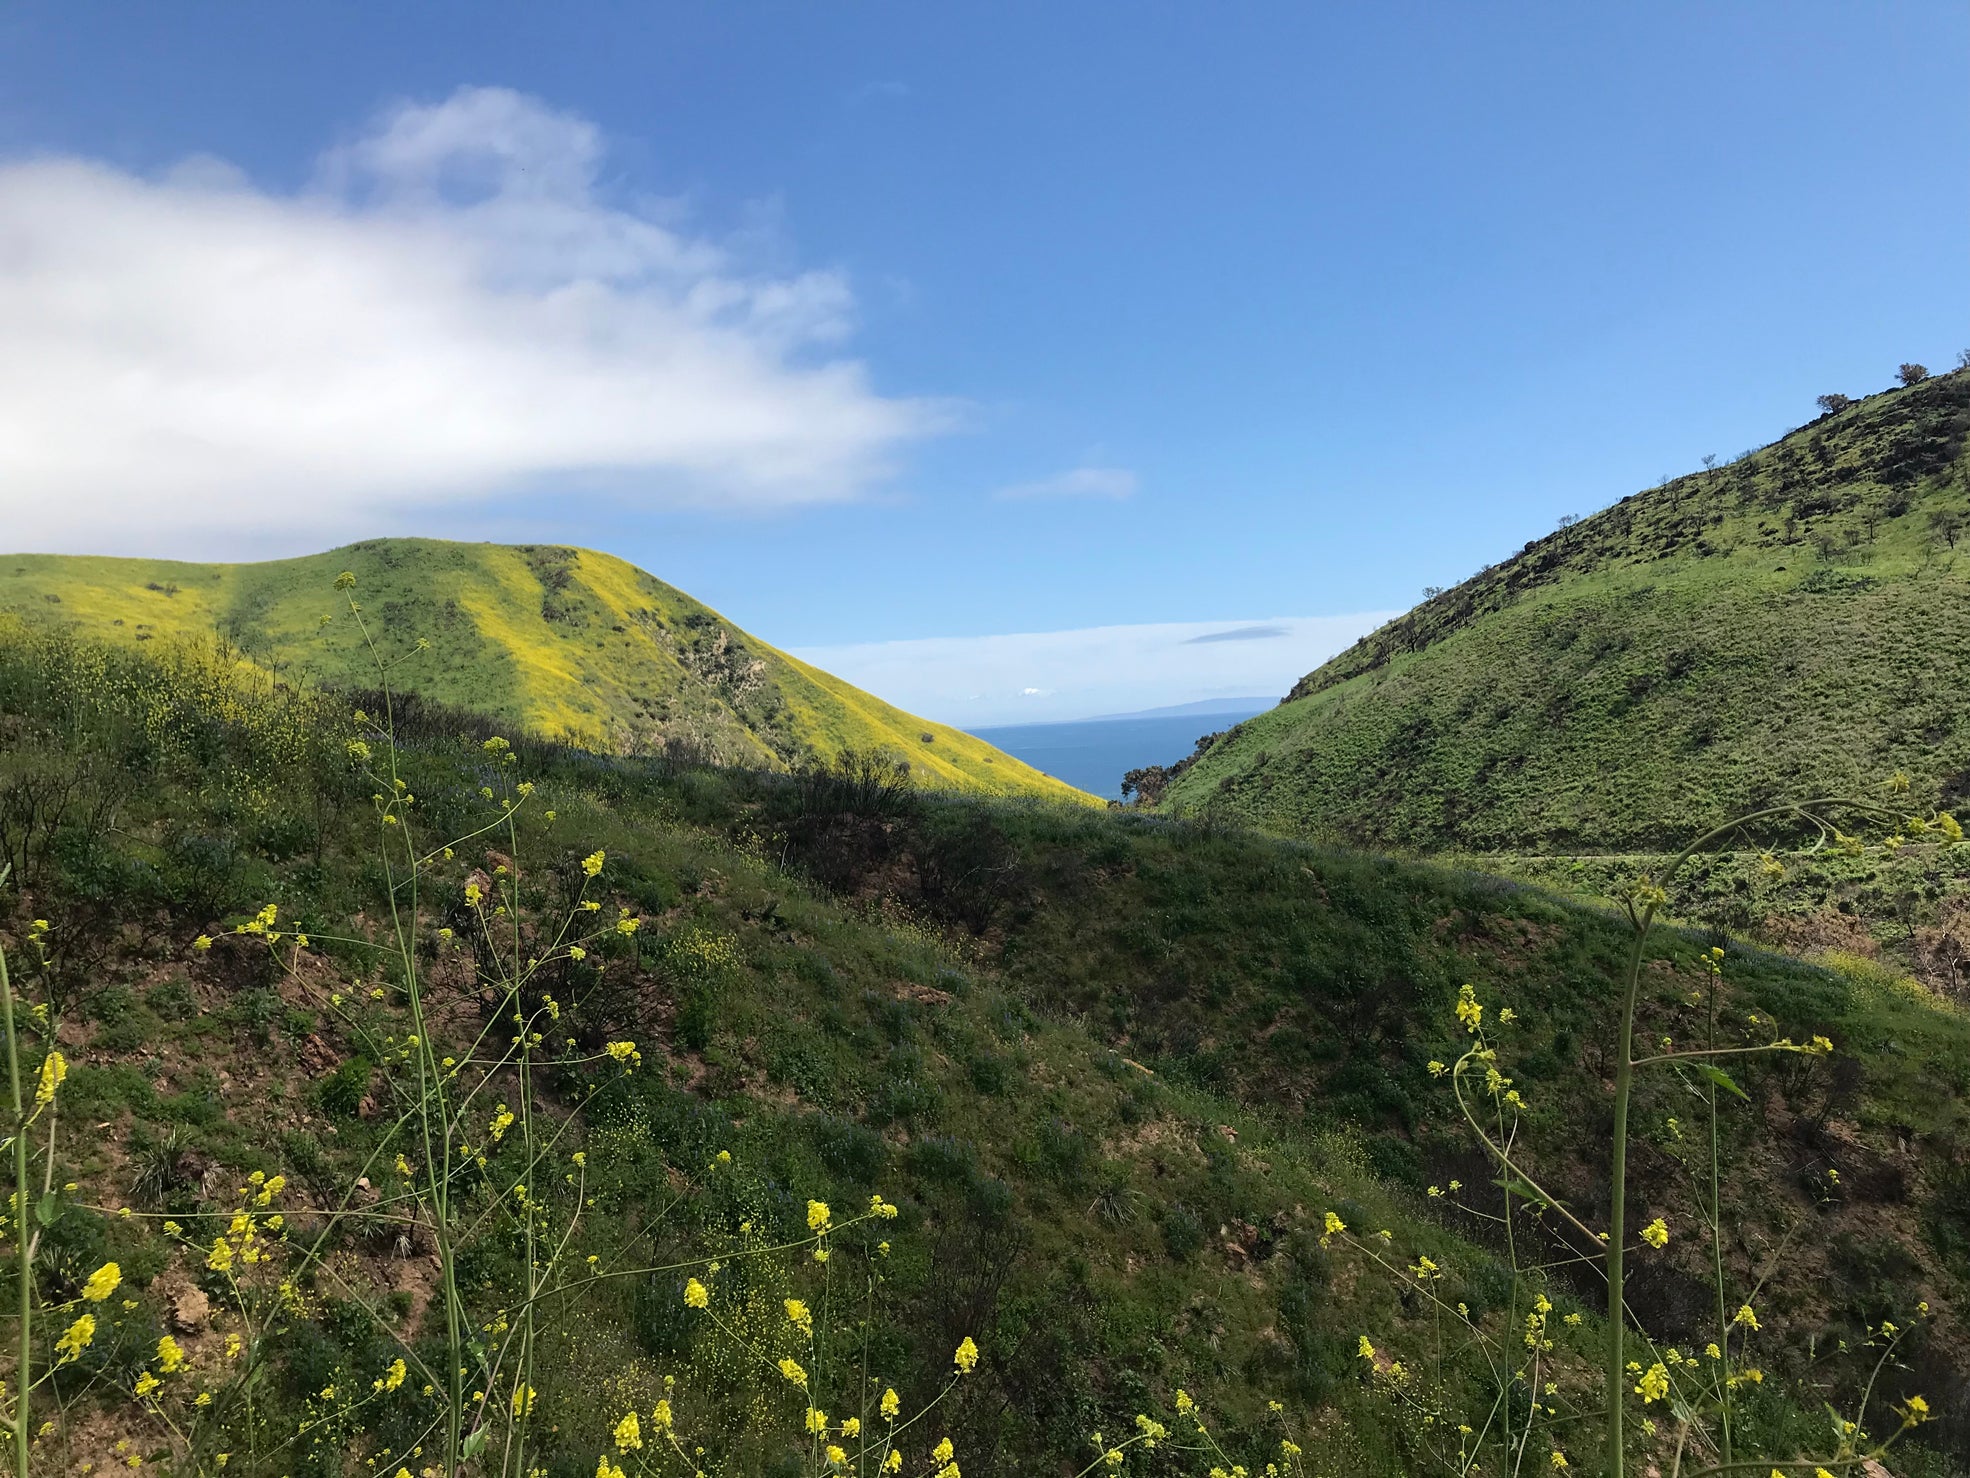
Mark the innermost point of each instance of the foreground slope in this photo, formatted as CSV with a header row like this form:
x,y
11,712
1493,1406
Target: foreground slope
x,y
1794,623
575,645
1113,1069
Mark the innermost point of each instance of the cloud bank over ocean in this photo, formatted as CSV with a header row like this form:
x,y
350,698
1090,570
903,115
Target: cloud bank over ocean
x,y
1032,677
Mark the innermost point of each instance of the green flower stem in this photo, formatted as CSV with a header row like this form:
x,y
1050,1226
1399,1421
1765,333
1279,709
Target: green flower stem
x,y
23,1247
1624,1077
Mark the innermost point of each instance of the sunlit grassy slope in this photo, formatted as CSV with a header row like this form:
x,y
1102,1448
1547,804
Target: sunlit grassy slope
x,y
1796,622
573,644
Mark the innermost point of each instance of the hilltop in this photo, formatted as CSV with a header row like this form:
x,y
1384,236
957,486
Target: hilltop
x,y
1793,623
574,645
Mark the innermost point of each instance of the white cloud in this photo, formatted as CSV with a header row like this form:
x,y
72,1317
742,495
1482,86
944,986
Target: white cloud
x,y
1037,676
1081,482
452,310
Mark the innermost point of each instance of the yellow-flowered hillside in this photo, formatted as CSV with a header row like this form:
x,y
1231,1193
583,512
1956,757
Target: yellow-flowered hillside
x,y
571,644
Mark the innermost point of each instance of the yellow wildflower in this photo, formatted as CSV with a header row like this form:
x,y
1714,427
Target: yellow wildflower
x,y
73,1343
696,1295
170,1355
54,1072
629,1433
966,1357
102,1283
1656,1233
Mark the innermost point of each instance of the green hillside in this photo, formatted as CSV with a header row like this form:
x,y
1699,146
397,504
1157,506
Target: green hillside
x,y
1796,622
574,645
1114,1070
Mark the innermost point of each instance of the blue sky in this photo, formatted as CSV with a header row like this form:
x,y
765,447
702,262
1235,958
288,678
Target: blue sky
x,y
884,323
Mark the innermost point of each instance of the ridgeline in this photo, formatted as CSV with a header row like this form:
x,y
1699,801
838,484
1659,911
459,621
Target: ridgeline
x,y
1793,623
575,646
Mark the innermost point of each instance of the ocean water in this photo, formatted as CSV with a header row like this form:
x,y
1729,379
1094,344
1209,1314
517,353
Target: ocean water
x,y
1094,754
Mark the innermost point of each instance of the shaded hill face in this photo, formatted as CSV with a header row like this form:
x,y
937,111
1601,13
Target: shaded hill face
x,y
574,645
1795,623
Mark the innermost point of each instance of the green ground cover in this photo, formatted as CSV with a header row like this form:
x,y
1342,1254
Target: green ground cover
x,y
1796,622
571,644
1114,1069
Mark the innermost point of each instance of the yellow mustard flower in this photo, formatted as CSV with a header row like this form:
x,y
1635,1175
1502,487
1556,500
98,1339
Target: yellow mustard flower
x,y
54,1072
77,1339
629,1433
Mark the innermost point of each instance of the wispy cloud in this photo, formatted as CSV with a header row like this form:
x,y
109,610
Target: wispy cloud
x,y
1034,676
1080,482
1241,633
454,308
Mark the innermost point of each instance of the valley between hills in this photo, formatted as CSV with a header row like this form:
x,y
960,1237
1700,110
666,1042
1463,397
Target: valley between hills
x,y
647,1031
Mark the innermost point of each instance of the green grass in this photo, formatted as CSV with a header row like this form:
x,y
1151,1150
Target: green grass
x,y
1792,624
577,646
1114,1067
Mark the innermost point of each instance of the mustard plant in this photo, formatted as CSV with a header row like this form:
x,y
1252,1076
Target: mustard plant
x,y
1517,1356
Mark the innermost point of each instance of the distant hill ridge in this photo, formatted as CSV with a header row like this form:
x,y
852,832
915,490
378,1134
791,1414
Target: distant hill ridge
x,y
572,644
1796,621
